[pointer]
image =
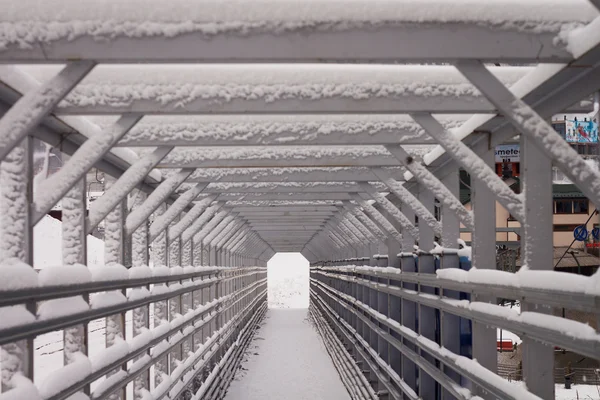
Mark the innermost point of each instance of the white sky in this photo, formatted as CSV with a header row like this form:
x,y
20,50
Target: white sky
x,y
287,279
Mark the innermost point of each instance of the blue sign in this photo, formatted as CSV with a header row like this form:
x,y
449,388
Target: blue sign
x,y
581,233
596,234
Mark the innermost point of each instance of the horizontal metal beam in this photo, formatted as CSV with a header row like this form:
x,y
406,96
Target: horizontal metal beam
x,y
282,174
283,214
288,187
318,31
280,157
283,197
279,130
285,209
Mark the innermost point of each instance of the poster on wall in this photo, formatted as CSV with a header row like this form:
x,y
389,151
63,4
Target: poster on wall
x,y
581,131
508,153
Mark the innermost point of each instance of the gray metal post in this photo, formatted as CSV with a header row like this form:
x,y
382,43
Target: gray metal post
x,y
537,253
484,257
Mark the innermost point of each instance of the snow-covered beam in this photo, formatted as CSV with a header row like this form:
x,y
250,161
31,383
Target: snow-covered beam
x,y
210,226
288,228
279,157
52,189
287,187
123,186
230,222
569,85
365,221
164,220
409,200
155,199
410,31
284,221
530,124
391,209
303,174
290,208
284,197
279,130
377,217
431,182
277,89
33,106
283,215
473,164
198,223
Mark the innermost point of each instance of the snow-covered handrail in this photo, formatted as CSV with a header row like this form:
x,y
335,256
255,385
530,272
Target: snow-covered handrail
x,y
571,335
559,289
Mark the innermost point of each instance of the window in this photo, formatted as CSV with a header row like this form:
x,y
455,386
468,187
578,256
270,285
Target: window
x,y
571,206
563,206
565,227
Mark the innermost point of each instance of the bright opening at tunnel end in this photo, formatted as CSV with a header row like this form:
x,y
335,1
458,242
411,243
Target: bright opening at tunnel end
x,y
288,281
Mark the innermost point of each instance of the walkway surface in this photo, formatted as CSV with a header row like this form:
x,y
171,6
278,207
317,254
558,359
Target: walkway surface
x,y
287,360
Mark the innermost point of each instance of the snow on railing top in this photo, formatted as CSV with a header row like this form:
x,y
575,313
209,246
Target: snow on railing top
x,y
150,18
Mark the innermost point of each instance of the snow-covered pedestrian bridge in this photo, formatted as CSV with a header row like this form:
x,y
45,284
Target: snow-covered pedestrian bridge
x,y
230,130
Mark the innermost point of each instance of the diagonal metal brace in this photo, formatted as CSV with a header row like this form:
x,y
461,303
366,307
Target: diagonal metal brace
x,y
30,109
192,215
155,199
473,164
361,218
391,209
530,124
123,186
52,189
431,182
377,217
409,199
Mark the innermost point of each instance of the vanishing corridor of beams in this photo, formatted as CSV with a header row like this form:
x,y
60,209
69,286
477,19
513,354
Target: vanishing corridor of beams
x,y
226,133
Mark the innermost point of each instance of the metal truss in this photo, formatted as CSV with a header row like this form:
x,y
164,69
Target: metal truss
x,y
349,154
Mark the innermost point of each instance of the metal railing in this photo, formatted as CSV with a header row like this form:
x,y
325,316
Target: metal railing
x,y
222,307
386,310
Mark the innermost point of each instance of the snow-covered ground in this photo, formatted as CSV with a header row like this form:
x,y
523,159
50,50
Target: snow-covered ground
x,y
577,392
288,281
47,245
287,360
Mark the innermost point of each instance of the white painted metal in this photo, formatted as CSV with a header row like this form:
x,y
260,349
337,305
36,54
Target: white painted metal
x,y
30,109
530,124
91,151
125,184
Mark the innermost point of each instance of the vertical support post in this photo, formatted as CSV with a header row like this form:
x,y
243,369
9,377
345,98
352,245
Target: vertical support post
x,y
113,254
537,245
449,323
408,263
159,259
428,317
174,260
484,257
141,315
74,251
16,245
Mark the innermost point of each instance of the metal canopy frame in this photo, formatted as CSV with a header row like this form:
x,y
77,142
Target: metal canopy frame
x,y
341,161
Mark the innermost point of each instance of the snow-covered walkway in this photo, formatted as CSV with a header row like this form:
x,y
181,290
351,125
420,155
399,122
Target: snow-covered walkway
x,y
287,360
